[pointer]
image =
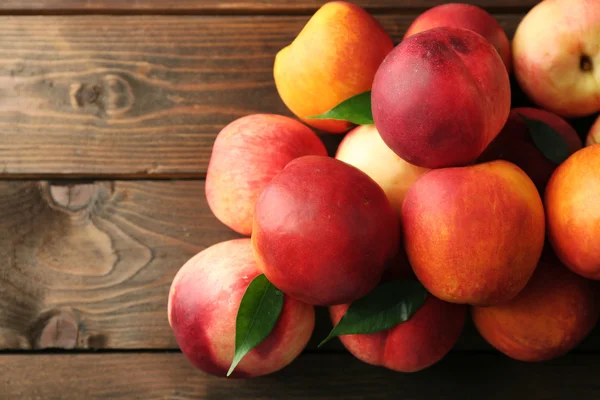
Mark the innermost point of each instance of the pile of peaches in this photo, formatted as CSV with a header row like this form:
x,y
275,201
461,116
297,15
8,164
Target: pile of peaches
x,y
441,201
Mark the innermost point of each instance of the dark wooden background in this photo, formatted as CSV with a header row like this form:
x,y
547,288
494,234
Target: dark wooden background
x,y
108,111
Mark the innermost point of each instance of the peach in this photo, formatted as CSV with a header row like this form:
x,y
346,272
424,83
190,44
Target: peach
x,y
572,202
363,148
203,303
333,58
594,134
474,234
556,56
323,231
246,155
413,345
467,16
440,97
551,316
514,144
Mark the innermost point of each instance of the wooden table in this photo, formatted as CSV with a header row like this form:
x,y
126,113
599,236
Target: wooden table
x,y
108,111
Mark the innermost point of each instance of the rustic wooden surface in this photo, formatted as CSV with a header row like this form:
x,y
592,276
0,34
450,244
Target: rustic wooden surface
x,y
233,6
89,265
132,103
98,259
312,376
136,96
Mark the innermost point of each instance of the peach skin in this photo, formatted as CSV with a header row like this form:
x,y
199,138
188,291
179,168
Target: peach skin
x,y
363,148
415,344
324,231
440,97
203,303
556,56
474,234
466,16
246,155
333,58
572,202
551,316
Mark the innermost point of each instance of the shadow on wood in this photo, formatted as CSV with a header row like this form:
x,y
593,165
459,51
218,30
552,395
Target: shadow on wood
x,y
460,376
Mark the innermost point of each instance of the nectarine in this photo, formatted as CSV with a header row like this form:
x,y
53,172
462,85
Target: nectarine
x,y
334,57
556,56
551,316
572,201
467,16
413,345
440,97
246,155
203,303
323,231
363,148
474,234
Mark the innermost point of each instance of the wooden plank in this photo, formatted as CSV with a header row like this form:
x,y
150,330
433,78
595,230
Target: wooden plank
x,y
230,6
91,265
312,376
97,260
136,96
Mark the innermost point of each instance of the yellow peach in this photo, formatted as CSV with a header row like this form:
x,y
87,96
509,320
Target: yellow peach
x,y
363,148
333,58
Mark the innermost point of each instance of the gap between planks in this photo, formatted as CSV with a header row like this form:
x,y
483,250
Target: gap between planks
x,y
161,376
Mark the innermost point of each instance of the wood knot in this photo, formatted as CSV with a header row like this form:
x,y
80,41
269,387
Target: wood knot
x,y
111,95
84,94
73,197
57,330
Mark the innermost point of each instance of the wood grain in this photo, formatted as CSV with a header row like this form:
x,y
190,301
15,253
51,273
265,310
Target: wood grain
x,y
231,6
108,376
90,265
136,96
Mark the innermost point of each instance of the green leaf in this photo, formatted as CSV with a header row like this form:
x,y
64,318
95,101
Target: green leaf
x,y
547,140
388,305
258,313
356,109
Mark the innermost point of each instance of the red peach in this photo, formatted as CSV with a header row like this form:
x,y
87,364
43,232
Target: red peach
x,y
413,345
467,16
515,144
323,231
551,316
440,97
246,155
203,303
474,234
